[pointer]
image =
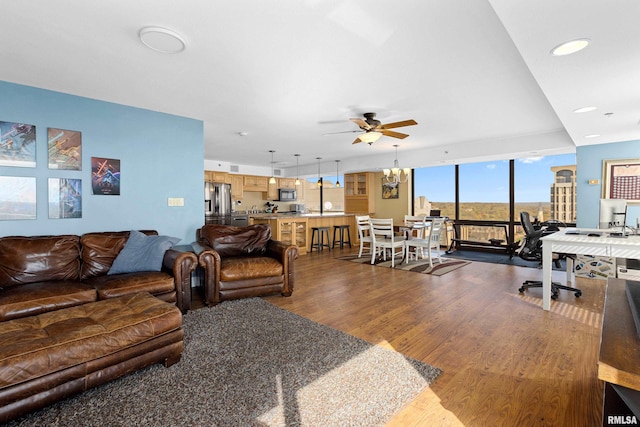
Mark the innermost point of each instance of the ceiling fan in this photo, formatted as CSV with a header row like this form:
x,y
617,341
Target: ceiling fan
x,y
373,129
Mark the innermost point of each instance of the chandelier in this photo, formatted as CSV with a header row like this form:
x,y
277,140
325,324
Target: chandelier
x,y
395,174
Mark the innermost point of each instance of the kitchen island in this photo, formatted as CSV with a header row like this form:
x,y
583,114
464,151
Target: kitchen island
x,y
295,227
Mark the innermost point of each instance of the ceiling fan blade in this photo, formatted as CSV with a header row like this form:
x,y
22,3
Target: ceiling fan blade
x,y
393,134
357,140
361,124
344,131
410,122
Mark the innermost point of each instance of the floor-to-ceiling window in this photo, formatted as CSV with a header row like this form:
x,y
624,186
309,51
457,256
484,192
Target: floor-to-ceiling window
x,y
491,195
546,188
435,188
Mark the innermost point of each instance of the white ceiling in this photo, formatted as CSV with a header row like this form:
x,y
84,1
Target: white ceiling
x,y
476,75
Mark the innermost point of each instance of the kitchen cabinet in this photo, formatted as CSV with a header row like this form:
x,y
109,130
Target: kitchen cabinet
x,y
287,183
358,193
237,186
272,193
256,183
215,176
294,231
287,229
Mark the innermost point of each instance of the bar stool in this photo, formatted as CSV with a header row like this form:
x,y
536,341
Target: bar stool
x,y
342,230
317,238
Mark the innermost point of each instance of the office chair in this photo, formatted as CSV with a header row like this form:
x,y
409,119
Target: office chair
x,y
531,250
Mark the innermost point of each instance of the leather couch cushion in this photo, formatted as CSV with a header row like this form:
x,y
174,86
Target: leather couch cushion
x,y
40,297
228,240
100,249
34,346
154,282
36,259
239,268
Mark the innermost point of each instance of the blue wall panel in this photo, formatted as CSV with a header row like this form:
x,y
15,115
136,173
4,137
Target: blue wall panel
x,y
589,166
161,156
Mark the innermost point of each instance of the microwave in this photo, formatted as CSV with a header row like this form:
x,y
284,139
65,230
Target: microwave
x,y
287,195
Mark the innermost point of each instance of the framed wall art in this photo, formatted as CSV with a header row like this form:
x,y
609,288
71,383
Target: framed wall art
x,y
17,197
65,149
17,145
105,176
390,190
65,198
621,180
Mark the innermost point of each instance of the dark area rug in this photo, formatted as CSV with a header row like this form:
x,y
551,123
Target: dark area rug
x,y
497,259
250,363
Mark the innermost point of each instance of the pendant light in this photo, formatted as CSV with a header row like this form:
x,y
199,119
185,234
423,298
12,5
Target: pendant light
x,y
319,177
272,180
297,169
337,174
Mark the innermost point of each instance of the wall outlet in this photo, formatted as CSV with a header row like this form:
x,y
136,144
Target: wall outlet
x,y
175,201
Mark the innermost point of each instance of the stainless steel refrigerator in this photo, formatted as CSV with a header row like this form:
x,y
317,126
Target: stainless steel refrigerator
x,y
217,203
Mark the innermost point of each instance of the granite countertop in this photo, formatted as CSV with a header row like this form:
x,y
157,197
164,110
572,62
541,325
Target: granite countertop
x,y
297,215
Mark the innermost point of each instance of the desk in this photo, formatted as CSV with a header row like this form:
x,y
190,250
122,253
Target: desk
x,y
581,244
619,355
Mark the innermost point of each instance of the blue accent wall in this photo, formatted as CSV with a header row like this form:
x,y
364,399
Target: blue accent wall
x,y
589,166
161,156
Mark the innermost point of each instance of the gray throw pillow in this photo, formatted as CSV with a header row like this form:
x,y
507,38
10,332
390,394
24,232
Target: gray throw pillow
x,y
142,253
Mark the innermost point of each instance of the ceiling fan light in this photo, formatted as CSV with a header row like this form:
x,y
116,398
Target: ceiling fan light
x,y
370,137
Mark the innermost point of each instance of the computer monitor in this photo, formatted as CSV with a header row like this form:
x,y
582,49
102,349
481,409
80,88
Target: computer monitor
x,y
434,212
613,213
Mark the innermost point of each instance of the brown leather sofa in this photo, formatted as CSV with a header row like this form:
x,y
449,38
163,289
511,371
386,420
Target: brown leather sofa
x,y
67,325
45,273
241,262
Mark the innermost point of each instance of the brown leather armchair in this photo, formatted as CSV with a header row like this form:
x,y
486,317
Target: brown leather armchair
x,y
241,262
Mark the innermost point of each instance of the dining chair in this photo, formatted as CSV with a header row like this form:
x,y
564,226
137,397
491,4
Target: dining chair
x,y
384,238
416,222
431,243
364,233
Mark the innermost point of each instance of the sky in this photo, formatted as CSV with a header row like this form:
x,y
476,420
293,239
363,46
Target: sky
x,y
489,181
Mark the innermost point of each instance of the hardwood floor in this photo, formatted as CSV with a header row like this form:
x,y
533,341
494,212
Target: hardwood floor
x,y
506,361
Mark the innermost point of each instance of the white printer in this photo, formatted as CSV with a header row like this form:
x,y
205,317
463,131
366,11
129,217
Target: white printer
x,y
628,269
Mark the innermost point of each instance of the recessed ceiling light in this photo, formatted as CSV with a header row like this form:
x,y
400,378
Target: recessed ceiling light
x,y
593,135
162,39
572,46
584,109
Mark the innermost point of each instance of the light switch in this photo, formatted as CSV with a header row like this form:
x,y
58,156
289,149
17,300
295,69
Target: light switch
x,y
175,201
593,181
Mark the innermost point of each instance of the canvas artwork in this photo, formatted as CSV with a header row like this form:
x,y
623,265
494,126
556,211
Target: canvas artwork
x,y
17,145
105,176
65,149
17,197
389,190
65,198
621,179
